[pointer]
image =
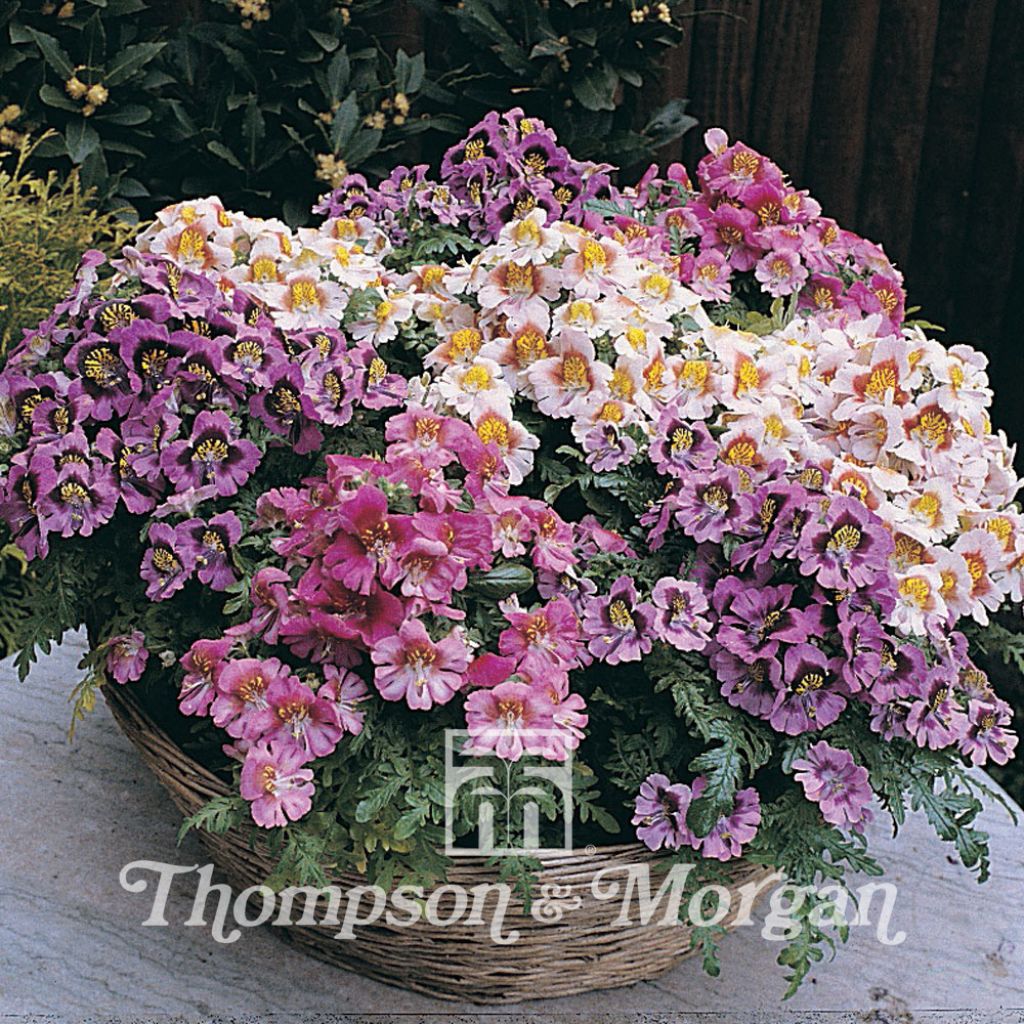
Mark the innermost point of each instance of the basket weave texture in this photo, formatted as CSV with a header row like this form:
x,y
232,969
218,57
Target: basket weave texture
x,y
582,951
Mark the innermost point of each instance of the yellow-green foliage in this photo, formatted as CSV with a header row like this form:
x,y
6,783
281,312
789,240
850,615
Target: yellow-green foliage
x,y
45,226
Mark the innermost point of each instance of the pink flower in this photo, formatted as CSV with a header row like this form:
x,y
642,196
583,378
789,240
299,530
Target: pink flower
x,y
241,705
345,690
127,656
542,640
412,667
838,785
511,719
680,619
275,783
987,734
781,272
203,663
302,718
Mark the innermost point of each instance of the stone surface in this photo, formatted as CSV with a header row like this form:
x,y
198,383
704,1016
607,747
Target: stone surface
x,y
72,945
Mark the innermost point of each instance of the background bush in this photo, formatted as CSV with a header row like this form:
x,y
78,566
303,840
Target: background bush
x,y
270,102
45,226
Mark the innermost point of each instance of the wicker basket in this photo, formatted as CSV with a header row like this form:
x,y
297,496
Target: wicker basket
x,y
581,952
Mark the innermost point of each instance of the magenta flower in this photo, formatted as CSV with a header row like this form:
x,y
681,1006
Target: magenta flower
x,y
810,699
240,705
838,785
127,656
268,595
202,663
758,620
346,691
510,719
987,736
213,456
732,831
168,563
542,641
846,551
568,720
660,813
619,627
367,541
302,718
411,667
680,619
276,785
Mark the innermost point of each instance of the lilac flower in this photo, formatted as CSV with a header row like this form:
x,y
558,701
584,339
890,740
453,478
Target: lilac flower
x,y
753,686
135,490
707,507
680,620
935,720
838,785
275,783
211,548
759,619
619,627
213,455
987,736
810,699
168,563
608,448
729,834
773,516
846,551
681,446
127,656
660,813
108,380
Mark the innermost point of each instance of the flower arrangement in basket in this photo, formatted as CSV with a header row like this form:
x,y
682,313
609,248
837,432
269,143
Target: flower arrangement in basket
x,y
659,480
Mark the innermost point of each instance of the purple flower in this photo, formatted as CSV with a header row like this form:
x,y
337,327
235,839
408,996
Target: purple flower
x,y
76,498
136,491
108,380
211,547
168,562
848,550
214,455
127,656
618,627
774,517
729,834
680,619
987,736
152,354
708,505
809,700
660,813
286,409
935,720
757,620
838,785
753,686
680,447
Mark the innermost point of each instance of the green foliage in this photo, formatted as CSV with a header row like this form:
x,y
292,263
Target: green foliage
x,y
581,65
153,104
218,816
45,226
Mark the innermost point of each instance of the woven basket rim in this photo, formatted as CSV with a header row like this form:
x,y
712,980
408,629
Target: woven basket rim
x,y
122,698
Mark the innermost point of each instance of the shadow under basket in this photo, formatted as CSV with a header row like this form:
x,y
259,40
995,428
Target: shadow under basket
x,y
579,950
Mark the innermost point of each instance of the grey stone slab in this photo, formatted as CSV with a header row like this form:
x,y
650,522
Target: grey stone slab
x,y
72,946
